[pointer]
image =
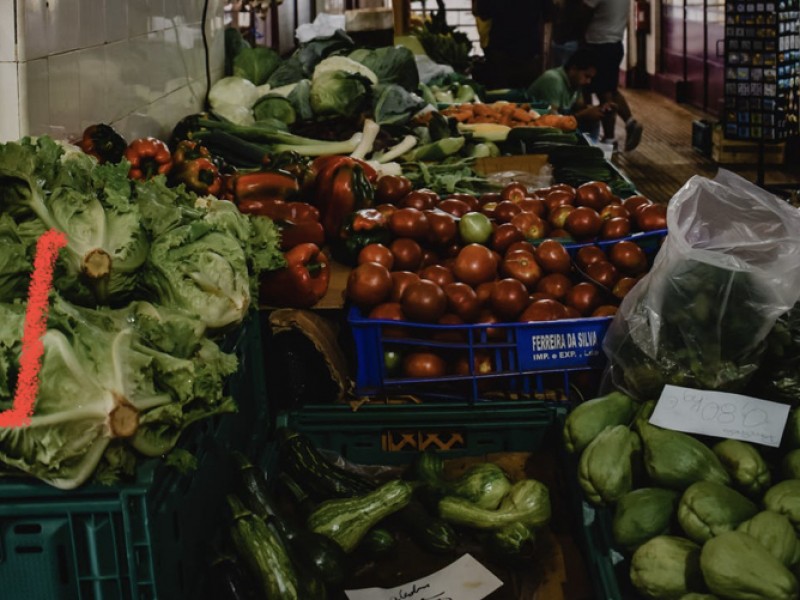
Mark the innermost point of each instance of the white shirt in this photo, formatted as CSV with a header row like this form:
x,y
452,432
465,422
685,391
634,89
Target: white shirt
x,y
609,20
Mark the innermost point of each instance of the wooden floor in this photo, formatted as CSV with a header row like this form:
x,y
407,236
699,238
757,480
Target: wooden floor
x,y
665,159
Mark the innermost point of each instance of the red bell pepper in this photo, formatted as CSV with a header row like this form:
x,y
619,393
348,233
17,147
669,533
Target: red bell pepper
x,y
341,187
103,142
188,150
278,210
261,185
148,157
302,232
302,282
322,166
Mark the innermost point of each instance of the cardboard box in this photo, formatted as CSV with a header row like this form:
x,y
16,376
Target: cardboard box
x,y
529,163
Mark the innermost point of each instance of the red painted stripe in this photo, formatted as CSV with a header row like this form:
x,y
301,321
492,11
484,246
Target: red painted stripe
x,y
47,247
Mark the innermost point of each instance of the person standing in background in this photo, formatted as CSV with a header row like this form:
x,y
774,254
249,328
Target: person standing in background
x,y
514,49
604,34
568,28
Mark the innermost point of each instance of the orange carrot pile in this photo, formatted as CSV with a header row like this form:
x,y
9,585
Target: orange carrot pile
x,y
502,113
562,122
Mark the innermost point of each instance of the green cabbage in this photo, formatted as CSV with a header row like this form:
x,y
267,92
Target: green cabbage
x,y
256,64
337,93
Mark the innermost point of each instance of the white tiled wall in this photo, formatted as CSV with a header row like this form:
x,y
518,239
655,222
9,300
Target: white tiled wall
x,y
137,64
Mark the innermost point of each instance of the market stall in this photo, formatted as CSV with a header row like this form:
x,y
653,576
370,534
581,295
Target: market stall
x,y
361,328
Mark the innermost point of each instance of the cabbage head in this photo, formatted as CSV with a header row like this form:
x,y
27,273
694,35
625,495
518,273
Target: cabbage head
x,y
338,93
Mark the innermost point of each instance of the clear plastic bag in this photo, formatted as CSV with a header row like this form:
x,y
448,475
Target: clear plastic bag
x,y
728,269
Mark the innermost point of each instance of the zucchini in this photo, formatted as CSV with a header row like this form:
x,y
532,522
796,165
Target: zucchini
x,y
314,554
347,520
378,542
510,541
262,551
431,533
323,480
226,580
484,484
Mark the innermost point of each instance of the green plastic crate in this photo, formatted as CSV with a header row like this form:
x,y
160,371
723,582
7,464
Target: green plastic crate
x,y
392,434
140,541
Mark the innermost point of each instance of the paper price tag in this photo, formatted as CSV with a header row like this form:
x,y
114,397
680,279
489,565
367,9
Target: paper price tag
x,y
721,414
464,579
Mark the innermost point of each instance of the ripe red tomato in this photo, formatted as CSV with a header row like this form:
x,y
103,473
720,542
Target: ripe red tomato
x,y
583,222
606,310
451,334
470,200
407,254
505,211
390,311
617,227
457,208
376,253
424,301
505,235
583,297
391,189
442,229
558,216
530,225
400,281
589,255
628,257
438,274
420,199
522,266
536,206
544,310
623,286
611,211
523,245
604,273
509,298
482,364
369,284
462,300
555,285
553,257
633,203
409,222
514,192
594,194
475,264
558,198
424,365
651,217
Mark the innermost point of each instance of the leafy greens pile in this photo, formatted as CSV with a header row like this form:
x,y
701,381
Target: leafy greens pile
x,y
148,276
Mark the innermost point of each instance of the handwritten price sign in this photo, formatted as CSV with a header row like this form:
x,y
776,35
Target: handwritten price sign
x,y
30,361
721,414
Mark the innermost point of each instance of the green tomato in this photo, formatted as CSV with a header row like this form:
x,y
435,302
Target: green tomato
x,y
391,361
475,228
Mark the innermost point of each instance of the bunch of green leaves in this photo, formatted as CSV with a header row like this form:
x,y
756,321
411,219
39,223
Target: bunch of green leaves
x,y
442,42
453,175
392,64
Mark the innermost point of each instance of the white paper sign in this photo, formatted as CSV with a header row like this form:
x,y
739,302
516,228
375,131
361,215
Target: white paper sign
x,y
721,414
465,579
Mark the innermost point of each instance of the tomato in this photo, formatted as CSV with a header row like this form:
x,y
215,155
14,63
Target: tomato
x,y
484,291
390,311
544,310
475,264
522,266
611,211
508,299
555,285
407,254
429,258
583,222
553,257
589,255
593,194
392,360
540,296
457,208
469,199
369,284
438,274
482,364
442,229
536,206
604,273
618,227
606,310
488,209
488,318
424,301
420,199
391,189
633,203
628,257
475,228
462,300
423,365
505,235
489,198
451,334
558,198
530,225
560,234
514,192
623,286
505,211
376,253
387,210
400,281
523,245
651,217
584,297
572,312
410,223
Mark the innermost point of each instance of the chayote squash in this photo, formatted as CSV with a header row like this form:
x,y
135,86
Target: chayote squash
x,y
643,514
776,534
784,498
738,567
667,567
745,466
676,460
605,469
790,466
584,423
642,417
707,509
791,434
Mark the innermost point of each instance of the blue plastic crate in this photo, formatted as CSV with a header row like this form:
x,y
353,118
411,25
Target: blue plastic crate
x,y
144,540
526,357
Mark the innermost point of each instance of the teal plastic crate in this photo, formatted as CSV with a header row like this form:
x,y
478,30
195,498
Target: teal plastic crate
x,y
386,434
144,540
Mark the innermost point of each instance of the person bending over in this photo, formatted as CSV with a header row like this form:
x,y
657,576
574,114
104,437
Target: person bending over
x,y
562,88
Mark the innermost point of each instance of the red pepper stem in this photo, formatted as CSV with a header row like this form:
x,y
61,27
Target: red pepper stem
x,y
314,268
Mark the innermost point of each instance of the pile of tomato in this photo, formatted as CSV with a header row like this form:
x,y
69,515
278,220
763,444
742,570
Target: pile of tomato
x,y
464,259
